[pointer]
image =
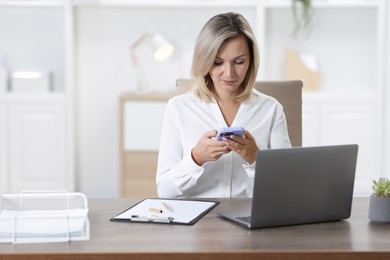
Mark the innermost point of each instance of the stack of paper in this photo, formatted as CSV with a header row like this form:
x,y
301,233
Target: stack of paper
x,y
35,224
43,217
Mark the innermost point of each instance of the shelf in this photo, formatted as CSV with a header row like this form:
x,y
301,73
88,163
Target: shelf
x,y
325,96
224,3
166,3
9,96
32,3
325,3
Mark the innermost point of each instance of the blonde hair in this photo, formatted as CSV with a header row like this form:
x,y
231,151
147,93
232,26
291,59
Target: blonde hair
x,y
214,33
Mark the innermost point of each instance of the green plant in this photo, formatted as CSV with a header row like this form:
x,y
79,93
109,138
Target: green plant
x,y
381,188
302,12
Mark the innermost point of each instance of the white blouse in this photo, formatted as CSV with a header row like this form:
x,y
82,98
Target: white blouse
x,y
186,119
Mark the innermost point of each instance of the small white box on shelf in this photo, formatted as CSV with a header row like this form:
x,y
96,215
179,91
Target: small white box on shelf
x,y
30,81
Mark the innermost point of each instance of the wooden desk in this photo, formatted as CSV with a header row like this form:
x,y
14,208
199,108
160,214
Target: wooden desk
x,y
214,238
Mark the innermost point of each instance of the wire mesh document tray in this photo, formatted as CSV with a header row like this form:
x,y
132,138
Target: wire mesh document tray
x,y
43,216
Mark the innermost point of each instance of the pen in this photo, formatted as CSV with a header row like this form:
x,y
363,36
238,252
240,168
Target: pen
x,y
155,210
169,208
139,218
161,219
152,218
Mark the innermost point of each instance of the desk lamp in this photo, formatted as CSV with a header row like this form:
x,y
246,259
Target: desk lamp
x,y
162,50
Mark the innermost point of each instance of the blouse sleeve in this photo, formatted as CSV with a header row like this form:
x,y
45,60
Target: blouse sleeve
x,y
177,173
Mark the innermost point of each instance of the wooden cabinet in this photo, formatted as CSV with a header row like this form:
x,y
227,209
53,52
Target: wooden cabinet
x,y
138,174
140,128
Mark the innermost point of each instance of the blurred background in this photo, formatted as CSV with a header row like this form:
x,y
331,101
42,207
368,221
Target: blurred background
x,y
72,104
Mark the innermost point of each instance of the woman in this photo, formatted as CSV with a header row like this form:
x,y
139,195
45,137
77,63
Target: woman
x,y
192,163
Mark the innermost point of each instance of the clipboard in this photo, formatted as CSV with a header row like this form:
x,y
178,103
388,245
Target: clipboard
x,y
166,211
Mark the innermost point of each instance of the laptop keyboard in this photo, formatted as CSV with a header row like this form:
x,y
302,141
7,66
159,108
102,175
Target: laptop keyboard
x,y
246,219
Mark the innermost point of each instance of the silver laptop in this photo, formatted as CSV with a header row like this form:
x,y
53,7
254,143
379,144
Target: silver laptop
x,y
300,186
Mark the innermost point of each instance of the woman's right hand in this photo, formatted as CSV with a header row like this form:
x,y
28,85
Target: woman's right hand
x,y
208,148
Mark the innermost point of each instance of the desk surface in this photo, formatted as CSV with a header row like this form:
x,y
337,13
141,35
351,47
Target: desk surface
x,y
214,238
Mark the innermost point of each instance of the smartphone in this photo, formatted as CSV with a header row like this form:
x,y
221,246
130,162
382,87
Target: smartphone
x,y
226,132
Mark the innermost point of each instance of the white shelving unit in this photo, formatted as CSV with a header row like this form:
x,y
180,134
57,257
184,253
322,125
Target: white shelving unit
x,y
350,50
36,130
85,44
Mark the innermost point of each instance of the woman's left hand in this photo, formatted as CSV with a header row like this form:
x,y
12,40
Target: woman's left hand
x,y
245,146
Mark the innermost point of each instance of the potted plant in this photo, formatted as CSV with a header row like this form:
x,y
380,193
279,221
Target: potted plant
x,y
379,210
302,12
